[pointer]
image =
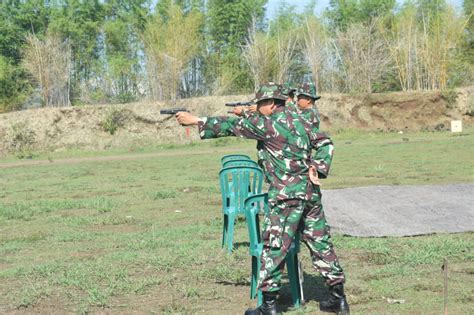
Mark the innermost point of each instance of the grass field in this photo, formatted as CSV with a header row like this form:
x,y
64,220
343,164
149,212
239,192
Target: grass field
x,y
138,231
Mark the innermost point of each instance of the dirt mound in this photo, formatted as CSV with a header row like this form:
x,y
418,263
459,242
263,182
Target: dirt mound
x,y
398,110
137,124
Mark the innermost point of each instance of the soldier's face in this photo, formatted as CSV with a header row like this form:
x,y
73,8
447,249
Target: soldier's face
x,y
305,102
265,107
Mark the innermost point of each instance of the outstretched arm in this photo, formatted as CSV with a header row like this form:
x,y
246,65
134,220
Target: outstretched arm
x,y
252,127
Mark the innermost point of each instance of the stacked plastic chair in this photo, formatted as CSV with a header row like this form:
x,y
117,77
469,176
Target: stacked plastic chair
x,y
239,179
231,157
253,206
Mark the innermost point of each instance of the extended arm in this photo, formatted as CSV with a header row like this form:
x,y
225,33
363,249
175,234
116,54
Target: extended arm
x,y
252,127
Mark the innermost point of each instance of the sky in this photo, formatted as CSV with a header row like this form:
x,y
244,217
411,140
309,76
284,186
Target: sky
x,y
272,5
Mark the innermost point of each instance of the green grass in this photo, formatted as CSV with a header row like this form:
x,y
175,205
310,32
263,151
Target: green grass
x,y
142,233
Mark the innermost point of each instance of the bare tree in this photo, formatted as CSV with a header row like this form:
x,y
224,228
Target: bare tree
x,y
422,48
169,46
49,62
364,56
318,52
440,37
258,54
285,44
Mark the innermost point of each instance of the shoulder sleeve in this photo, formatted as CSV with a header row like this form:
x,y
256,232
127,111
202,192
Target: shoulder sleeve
x,y
324,150
251,127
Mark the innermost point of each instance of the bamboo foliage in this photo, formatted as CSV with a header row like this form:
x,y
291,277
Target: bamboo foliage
x,y
49,62
258,55
363,56
270,58
440,38
401,43
422,48
285,45
169,46
317,49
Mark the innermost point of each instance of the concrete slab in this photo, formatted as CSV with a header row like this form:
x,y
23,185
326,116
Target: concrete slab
x,y
400,210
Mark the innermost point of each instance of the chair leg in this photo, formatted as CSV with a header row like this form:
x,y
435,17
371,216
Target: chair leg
x,y
230,231
254,277
292,264
224,230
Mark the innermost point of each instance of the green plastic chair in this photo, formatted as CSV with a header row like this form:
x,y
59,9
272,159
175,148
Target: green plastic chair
x,y
246,162
230,157
237,183
253,206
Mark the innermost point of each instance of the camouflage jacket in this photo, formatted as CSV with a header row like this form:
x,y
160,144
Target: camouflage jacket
x,y
291,106
323,146
283,143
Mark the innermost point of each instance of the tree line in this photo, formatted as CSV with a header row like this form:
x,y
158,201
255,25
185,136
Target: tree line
x,y
68,52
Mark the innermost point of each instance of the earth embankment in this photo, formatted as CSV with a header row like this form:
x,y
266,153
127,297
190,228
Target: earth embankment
x,y
122,125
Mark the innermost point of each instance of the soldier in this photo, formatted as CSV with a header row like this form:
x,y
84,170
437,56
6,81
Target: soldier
x,y
306,99
294,199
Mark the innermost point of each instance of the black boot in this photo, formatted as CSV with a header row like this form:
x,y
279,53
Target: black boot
x,y
268,306
337,302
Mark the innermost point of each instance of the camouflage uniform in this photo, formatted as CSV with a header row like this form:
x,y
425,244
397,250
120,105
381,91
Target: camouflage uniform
x,y
324,148
295,203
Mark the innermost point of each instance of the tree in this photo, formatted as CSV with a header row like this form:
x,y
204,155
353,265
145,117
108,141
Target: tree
x,y
343,13
124,21
49,62
228,23
285,32
168,54
79,22
14,87
363,56
259,55
18,19
317,51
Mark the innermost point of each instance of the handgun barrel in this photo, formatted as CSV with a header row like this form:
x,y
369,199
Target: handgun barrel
x,y
172,111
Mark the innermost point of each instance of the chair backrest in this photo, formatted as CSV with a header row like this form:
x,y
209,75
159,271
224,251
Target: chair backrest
x,y
253,206
230,157
237,183
231,163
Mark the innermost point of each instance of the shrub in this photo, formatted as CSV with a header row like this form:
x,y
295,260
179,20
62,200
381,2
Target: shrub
x,y
21,140
114,120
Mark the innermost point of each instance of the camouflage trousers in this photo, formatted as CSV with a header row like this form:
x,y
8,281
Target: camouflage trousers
x,y
284,220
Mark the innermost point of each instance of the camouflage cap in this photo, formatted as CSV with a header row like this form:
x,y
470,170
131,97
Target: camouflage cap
x,y
308,89
287,88
268,91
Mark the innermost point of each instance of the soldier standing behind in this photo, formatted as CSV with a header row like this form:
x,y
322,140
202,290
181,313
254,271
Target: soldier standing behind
x,y
294,199
306,101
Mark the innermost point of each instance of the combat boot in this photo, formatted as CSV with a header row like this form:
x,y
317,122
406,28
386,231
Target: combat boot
x,y
337,302
268,306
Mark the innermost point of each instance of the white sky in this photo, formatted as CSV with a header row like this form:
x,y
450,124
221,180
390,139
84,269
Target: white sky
x,y
323,4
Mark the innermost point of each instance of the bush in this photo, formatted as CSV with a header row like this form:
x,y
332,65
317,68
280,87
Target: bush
x,y
21,140
450,97
114,120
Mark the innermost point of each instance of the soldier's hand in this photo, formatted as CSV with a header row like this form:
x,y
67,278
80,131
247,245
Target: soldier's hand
x,y
238,110
252,108
186,119
313,176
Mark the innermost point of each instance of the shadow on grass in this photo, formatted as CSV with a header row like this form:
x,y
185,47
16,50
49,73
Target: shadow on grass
x,y
240,283
314,289
237,245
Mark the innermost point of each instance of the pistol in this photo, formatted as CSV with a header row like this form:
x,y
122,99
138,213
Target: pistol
x,y
172,111
242,103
